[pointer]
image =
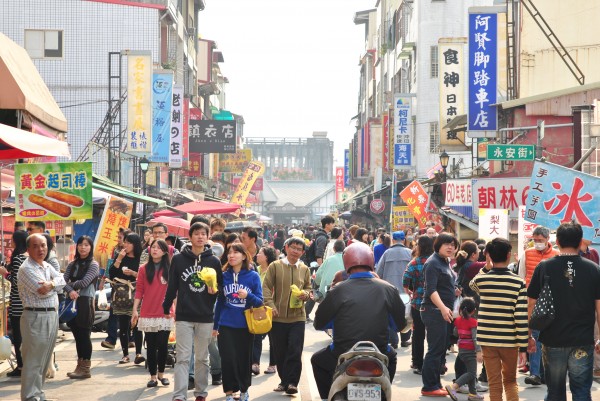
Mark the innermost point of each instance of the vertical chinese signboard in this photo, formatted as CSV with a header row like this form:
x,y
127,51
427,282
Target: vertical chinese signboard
x,y
452,87
117,213
339,183
212,136
347,168
162,97
386,143
493,223
416,198
483,73
53,191
402,130
559,195
376,148
254,170
176,146
139,102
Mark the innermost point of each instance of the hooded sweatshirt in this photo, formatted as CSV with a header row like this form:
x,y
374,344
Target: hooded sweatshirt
x,y
194,303
230,307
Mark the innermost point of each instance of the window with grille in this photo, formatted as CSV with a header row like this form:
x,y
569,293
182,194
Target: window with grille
x,y
434,137
435,66
44,43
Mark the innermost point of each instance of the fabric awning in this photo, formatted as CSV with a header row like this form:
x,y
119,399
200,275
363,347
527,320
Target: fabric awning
x,y
459,121
175,225
24,89
201,207
18,144
124,193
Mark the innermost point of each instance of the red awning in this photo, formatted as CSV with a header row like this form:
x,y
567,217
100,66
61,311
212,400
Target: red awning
x,y
19,144
201,207
175,225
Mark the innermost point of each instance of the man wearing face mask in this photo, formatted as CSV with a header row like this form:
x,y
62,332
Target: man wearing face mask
x,y
542,250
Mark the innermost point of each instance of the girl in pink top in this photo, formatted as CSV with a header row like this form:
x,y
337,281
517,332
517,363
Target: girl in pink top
x,y
151,288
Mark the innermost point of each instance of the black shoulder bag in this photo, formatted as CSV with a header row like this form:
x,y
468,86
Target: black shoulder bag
x,y
543,313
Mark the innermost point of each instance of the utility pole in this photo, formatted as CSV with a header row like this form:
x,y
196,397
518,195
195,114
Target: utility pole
x,y
540,135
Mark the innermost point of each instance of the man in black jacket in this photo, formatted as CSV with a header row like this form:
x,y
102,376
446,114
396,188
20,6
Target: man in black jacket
x,y
194,313
360,309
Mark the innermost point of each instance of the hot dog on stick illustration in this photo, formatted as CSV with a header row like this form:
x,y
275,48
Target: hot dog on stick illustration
x,y
50,205
72,200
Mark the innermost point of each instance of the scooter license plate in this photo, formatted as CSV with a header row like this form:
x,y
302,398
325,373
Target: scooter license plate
x,y
364,392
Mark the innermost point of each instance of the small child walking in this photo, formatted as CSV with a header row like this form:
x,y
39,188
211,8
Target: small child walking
x,y
465,328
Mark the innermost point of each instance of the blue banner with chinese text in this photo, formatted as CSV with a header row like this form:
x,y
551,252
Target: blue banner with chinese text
x,y
162,97
558,195
483,72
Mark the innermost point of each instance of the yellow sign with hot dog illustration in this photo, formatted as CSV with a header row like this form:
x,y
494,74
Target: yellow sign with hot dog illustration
x,y
53,191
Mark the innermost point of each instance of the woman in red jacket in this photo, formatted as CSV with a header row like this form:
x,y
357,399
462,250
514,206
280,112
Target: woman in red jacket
x,y
151,288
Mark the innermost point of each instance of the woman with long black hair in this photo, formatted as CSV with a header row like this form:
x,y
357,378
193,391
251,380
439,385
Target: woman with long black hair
x,y
19,255
153,278
241,290
81,275
125,267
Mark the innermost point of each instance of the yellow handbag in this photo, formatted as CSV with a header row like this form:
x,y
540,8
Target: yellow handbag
x,y
259,320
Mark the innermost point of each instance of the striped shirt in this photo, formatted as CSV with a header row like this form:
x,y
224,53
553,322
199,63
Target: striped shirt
x,y
30,275
502,317
16,306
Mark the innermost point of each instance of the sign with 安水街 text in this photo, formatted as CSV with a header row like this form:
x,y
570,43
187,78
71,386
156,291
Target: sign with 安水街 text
x,y
510,152
53,191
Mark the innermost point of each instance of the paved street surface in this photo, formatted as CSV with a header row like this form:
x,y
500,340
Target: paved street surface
x,y
114,382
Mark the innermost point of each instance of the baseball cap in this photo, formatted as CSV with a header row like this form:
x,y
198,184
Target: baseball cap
x,y
398,235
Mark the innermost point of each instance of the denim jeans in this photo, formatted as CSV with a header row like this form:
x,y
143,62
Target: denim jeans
x,y
437,338
535,359
418,339
578,363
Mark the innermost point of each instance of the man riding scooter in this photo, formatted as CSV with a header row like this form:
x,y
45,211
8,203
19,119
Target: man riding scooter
x,y
362,308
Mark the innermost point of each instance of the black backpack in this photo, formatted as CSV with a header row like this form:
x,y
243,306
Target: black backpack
x,y
310,254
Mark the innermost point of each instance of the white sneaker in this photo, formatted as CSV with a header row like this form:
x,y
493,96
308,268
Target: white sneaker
x,y
481,388
464,389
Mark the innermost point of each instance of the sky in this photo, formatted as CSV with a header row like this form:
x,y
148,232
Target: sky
x,y
292,64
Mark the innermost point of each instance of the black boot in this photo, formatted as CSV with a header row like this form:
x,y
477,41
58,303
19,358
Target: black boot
x,y
216,379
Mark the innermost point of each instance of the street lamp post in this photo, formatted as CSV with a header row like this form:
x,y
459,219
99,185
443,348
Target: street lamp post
x,y
213,188
388,181
444,159
144,165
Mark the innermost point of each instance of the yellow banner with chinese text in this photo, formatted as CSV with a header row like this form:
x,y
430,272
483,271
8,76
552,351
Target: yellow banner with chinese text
x,y
117,213
254,170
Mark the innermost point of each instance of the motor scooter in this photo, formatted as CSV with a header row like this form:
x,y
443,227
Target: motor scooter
x,y
361,375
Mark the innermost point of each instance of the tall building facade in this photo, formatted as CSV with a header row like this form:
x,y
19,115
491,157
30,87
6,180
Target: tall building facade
x,y
295,158
70,41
